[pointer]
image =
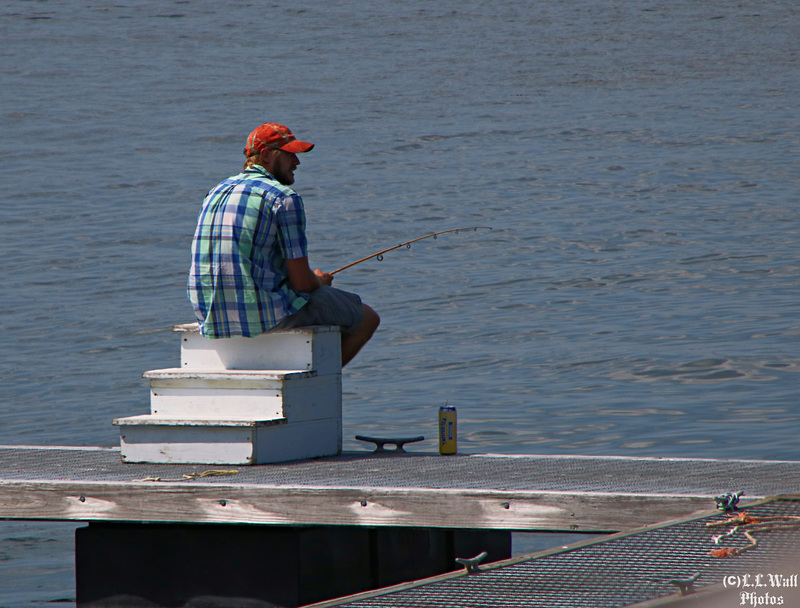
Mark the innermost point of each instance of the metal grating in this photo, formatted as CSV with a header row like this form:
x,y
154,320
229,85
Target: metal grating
x,y
678,477
623,570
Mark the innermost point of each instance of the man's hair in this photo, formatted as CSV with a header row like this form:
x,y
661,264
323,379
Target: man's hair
x,y
255,158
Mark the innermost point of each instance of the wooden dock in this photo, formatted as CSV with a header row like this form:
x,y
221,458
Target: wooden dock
x,y
544,493
349,523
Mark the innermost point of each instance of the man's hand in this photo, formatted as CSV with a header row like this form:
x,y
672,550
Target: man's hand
x,y
324,277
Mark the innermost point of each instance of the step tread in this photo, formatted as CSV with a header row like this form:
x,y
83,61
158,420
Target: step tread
x,y
306,329
183,373
178,421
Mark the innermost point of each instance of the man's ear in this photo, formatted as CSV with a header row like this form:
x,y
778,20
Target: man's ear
x,y
263,158
266,157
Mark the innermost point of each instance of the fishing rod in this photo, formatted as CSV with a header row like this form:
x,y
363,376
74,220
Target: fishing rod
x,y
407,244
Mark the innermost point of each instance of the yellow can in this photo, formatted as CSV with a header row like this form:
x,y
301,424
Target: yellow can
x,y
448,433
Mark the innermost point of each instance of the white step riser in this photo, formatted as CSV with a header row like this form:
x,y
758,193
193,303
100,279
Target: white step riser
x,y
203,403
231,445
297,400
318,350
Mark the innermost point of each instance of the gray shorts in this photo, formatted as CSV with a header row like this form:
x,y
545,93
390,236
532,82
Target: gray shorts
x,y
328,306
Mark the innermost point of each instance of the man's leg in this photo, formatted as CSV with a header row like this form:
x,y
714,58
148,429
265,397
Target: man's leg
x,y
331,306
354,340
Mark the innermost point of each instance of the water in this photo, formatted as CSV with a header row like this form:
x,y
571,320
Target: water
x,y
638,164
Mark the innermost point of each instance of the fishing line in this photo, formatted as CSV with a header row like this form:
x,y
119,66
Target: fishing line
x,y
407,244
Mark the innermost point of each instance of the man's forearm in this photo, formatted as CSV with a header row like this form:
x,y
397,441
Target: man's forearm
x,y
302,278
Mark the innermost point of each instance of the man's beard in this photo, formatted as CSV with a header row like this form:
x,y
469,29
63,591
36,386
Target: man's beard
x,y
284,177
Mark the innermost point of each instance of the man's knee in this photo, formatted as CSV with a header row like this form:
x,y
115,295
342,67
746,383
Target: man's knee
x,y
371,319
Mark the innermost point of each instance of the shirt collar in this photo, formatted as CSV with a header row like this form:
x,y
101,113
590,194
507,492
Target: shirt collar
x,y
259,169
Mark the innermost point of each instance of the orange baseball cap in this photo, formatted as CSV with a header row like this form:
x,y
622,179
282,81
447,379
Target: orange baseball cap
x,y
272,136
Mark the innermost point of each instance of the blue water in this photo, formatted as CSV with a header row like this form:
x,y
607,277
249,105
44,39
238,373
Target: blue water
x,y
638,164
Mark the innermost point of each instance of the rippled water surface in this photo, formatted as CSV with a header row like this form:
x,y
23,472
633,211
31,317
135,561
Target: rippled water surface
x,y
638,164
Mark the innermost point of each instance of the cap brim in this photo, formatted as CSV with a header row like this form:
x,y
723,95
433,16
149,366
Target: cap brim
x,y
297,146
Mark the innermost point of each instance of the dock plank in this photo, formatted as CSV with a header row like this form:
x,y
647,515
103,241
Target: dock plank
x,y
577,512
558,493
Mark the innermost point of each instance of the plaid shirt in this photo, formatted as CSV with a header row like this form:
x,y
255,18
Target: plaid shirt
x,y
248,227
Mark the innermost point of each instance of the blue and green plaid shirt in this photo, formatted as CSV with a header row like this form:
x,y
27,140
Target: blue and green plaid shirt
x,y
248,227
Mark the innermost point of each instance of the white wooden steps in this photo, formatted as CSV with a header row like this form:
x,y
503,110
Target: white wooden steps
x,y
272,398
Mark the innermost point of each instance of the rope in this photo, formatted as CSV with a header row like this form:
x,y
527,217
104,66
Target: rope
x,y
189,476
